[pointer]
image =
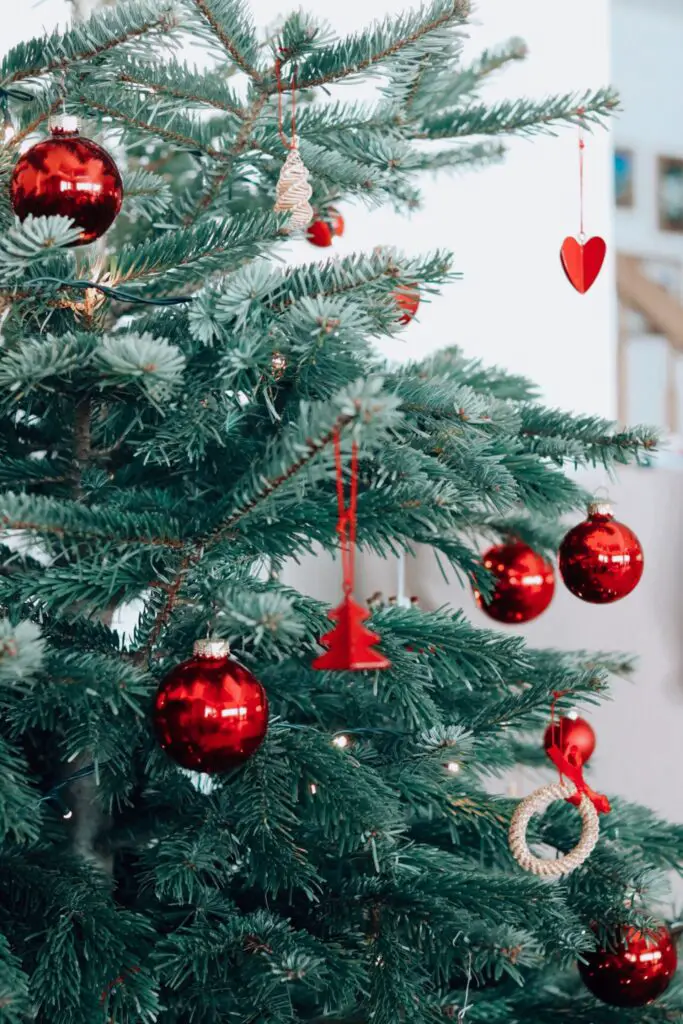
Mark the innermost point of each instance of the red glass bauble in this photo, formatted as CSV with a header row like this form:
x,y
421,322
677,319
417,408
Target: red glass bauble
x,y
574,737
407,298
601,560
68,176
322,230
210,713
525,583
637,970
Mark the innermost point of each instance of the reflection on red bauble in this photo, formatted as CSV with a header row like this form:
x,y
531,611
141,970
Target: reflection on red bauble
x,y
601,560
407,298
210,713
525,583
637,970
68,176
574,737
323,229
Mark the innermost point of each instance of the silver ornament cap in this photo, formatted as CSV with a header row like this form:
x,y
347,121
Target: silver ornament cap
x,y
600,508
64,124
211,648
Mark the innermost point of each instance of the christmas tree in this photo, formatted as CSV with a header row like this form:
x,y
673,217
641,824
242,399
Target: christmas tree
x,y
170,398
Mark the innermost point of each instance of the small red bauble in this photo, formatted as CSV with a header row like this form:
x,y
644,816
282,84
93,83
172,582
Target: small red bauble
x,y
637,970
574,737
601,560
210,712
525,583
323,230
68,176
407,298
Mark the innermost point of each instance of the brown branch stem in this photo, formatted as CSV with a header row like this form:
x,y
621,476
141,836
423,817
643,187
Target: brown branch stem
x,y
226,42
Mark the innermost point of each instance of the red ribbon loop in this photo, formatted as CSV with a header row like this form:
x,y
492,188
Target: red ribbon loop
x,y
346,523
574,772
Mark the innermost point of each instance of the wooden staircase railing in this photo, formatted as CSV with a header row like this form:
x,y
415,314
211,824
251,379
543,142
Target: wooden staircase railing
x,y
661,309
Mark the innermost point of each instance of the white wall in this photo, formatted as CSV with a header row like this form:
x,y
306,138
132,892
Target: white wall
x,y
646,46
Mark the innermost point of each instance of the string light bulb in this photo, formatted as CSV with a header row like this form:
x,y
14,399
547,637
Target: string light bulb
x,y
341,741
453,767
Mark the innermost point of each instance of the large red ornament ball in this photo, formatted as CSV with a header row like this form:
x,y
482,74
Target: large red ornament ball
x,y
525,583
407,298
633,973
325,228
68,176
574,737
601,560
210,712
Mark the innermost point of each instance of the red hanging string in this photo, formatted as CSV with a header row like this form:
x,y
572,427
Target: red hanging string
x,y
289,144
582,147
573,770
346,523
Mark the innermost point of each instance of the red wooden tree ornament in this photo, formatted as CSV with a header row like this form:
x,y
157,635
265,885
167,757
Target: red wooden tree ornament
x,y
582,258
350,645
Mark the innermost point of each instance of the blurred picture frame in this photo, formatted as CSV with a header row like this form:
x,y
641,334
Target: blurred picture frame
x,y
624,168
670,193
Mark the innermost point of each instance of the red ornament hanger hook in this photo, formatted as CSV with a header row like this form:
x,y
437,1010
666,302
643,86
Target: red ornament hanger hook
x,y
348,514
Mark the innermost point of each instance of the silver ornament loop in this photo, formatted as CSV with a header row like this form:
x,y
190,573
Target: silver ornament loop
x,y
538,803
211,647
294,191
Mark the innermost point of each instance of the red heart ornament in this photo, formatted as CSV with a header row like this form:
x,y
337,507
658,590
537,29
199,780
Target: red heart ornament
x,y
583,262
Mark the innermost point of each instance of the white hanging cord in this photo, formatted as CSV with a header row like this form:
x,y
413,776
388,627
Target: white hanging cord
x,y
402,599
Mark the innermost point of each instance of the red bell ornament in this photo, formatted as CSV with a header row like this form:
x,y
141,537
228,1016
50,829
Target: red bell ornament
x,y
634,971
601,560
210,713
407,297
325,228
68,176
574,737
525,583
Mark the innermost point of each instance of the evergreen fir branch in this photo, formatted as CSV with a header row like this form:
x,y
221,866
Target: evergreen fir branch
x,y
70,521
185,255
367,51
132,110
230,23
444,84
14,986
362,407
178,81
141,363
147,194
584,439
495,381
87,40
38,363
525,117
87,585
480,154
33,239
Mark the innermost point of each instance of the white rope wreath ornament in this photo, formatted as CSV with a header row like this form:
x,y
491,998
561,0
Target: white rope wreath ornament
x,y
538,803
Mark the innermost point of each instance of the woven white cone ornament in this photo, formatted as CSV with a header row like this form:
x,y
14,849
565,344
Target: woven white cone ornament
x,y
294,191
